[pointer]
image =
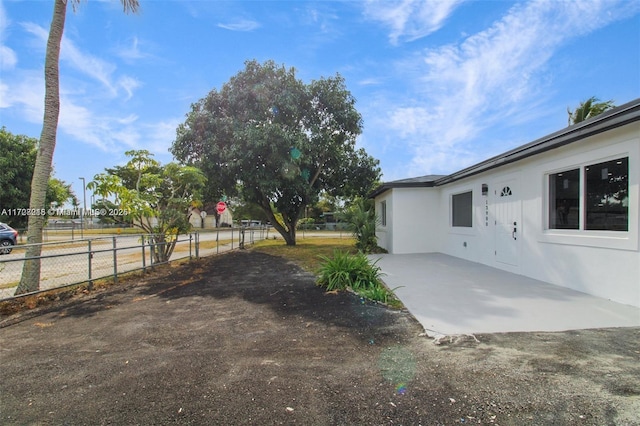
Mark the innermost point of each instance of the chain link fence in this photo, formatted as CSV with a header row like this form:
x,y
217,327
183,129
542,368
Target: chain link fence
x,y
65,262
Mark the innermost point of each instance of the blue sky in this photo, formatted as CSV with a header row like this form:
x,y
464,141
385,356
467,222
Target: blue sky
x,y
441,85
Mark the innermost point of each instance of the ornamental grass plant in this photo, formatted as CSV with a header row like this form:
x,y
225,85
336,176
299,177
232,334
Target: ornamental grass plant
x,y
356,272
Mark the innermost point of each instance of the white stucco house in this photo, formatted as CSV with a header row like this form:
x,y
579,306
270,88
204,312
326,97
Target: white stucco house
x,y
563,209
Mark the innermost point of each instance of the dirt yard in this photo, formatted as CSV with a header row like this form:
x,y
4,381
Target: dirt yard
x,y
246,338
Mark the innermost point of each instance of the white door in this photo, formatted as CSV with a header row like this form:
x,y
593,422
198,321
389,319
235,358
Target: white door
x,y
507,222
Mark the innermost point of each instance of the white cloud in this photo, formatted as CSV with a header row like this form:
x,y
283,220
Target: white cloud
x,y
372,81
240,25
83,125
462,89
128,84
410,19
85,106
90,65
8,58
132,52
160,136
27,94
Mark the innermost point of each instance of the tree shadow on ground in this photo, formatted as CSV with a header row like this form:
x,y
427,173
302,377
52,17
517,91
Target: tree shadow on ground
x,y
254,277
279,285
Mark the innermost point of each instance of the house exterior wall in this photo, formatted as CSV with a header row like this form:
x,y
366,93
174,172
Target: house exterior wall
x,y
209,222
384,231
412,228
601,263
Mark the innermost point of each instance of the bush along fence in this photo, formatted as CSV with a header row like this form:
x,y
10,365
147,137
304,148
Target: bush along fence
x,y
70,262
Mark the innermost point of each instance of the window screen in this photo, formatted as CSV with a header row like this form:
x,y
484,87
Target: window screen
x,y
564,200
383,213
607,195
462,209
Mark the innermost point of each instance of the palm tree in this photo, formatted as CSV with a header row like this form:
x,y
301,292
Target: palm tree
x,y
589,108
30,280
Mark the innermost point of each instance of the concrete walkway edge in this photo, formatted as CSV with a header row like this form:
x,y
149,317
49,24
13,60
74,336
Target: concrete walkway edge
x,y
451,296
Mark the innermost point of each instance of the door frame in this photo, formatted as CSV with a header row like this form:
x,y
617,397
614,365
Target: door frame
x,y
507,230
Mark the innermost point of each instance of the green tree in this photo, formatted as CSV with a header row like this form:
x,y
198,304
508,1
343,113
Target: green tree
x,y
17,162
362,220
156,198
243,210
30,280
315,213
59,193
111,209
588,109
277,142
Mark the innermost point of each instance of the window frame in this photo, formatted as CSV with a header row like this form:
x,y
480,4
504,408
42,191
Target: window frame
x,y
452,210
583,189
557,212
590,211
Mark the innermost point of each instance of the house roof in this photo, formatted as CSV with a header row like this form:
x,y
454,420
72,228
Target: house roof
x,y
417,182
611,119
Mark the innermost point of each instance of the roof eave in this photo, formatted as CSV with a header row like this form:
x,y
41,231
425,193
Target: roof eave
x,y
391,185
625,114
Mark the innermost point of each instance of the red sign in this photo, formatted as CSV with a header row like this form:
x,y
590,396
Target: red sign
x,y
221,207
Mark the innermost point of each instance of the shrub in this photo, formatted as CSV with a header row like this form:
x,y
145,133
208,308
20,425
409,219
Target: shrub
x,y
362,221
354,271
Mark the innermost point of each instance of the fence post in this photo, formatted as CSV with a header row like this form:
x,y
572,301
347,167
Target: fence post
x,y
231,235
190,239
115,262
151,250
90,256
144,260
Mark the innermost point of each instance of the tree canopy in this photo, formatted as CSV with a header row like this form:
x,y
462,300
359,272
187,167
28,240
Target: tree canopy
x,y
155,198
17,163
277,142
587,109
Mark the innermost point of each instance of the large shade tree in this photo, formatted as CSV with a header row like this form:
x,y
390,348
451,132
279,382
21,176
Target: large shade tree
x,y
30,280
277,142
17,163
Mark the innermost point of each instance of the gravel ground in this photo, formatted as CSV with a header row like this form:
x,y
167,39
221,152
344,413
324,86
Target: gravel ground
x,y
247,338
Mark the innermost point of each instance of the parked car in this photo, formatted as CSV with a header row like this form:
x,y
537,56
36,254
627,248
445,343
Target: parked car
x,y
8,238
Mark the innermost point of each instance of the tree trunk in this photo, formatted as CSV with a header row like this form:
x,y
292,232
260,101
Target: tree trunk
x,y
158,248
30,280
289,234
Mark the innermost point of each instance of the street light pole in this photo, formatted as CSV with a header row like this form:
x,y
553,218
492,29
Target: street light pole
x,y
84,206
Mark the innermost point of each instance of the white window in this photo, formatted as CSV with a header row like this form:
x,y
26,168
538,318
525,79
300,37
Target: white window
x,y
383,213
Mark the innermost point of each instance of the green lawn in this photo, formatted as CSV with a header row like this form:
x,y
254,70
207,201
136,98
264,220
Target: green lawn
x,y
307,251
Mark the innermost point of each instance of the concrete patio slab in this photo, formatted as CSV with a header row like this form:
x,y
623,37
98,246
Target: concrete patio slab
x,y
450,296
